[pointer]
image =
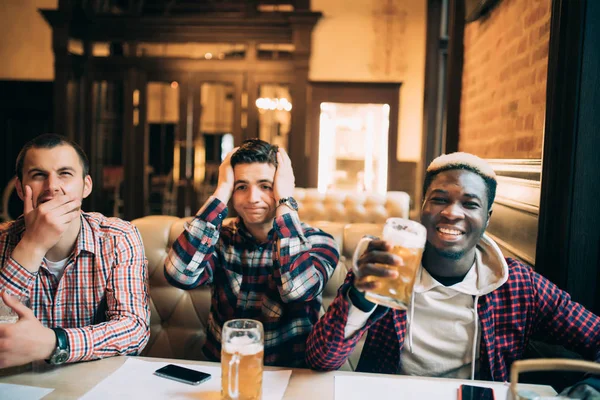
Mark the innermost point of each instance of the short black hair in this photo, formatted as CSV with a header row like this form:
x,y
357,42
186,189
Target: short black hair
x,y
490,183
255,151
50,141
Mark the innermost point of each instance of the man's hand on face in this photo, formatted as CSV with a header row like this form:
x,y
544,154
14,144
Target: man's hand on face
x,y
375,262
226,180
26,340
46,223
284,181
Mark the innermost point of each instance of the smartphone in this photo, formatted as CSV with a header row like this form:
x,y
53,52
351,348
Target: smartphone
x,y
468,392
181,374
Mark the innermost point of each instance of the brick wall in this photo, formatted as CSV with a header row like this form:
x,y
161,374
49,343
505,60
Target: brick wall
x,y
504,81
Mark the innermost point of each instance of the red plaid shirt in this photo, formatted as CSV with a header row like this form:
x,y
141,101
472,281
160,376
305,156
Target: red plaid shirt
x,y
101,300
526,306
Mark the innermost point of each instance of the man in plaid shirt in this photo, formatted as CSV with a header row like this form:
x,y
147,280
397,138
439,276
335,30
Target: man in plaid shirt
x,y
85,274
472,312
266,266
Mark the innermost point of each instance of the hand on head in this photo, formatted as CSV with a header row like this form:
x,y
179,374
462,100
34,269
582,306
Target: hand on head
x,y
226,179
26,340
46,222
284,181
375,262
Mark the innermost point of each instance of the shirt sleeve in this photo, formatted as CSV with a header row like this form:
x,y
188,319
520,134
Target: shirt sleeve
x,y
14,278
192,258
127,328
327,347
356,317
305,259
564,321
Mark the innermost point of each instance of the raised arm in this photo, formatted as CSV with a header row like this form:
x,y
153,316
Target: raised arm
x,y
336,334
305,259
192,258
43,228
328,346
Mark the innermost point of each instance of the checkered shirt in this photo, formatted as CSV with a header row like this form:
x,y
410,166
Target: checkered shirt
x,y
102,298
281,288
527,306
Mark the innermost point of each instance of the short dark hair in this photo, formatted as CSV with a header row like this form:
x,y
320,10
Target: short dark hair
x,y
50,141
490,183
255,151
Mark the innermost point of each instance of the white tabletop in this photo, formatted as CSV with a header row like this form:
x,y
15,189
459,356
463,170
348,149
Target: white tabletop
x,y
72,381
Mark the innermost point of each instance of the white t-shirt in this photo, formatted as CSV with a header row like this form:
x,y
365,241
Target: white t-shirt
x,y
443,328
57,268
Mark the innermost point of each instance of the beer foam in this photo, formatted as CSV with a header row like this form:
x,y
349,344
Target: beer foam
x,y
243,345
405,233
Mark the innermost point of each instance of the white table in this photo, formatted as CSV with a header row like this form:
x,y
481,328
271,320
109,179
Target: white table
x,y
72,381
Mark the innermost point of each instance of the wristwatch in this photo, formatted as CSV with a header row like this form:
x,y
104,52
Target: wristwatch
x,y
61,352
290,202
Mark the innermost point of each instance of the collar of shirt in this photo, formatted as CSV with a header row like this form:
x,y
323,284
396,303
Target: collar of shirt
x,y
242,231
425,282
86,240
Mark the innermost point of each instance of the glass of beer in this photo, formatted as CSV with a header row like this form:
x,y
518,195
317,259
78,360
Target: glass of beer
x,y
407,239
7,314
242,353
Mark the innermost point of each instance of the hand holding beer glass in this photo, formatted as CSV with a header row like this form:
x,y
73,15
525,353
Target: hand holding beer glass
x,y
386,269
242,353
7,314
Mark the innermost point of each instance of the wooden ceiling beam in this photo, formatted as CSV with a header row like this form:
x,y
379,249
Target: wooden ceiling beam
x,y
214,27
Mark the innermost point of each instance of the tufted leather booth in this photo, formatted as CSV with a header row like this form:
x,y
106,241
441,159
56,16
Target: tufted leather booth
x,y
179,318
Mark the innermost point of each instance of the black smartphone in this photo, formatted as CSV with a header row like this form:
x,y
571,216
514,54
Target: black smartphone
x,y
181,374
468,392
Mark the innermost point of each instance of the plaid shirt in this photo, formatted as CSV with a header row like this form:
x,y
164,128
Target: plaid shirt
x,y
102,299
526,306
282,289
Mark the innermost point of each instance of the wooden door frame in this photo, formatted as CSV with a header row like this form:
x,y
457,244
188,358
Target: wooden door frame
x,y
347,92
251,28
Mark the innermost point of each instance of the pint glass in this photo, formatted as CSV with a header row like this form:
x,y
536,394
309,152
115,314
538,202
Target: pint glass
x,y
242,352
7,314
407,239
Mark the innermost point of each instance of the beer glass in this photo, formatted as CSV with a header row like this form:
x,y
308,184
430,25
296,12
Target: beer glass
x,y
407,239
7,315
242,352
